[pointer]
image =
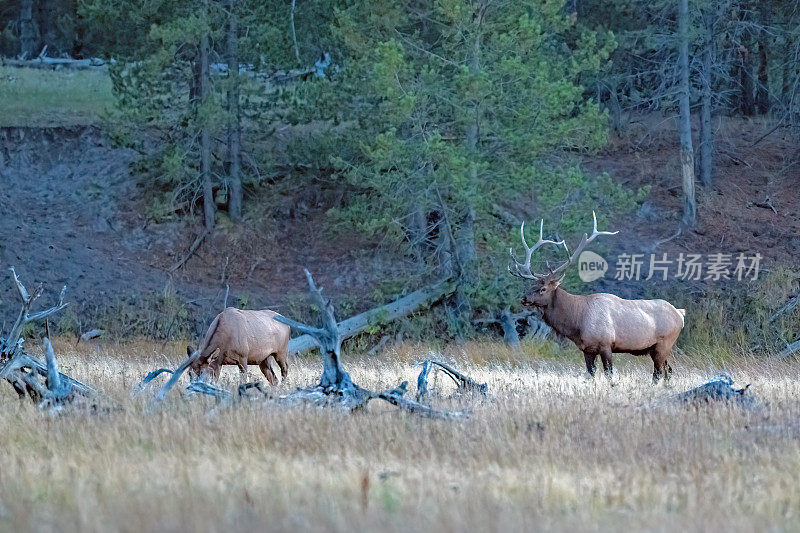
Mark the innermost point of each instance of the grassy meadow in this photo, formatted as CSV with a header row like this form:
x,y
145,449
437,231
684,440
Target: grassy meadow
x,y
547,448
46,98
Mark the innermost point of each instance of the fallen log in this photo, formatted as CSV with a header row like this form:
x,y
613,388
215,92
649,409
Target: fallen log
x,y
790,349
463,382
719,388
203,387
386,313
787,307
89,335
52,63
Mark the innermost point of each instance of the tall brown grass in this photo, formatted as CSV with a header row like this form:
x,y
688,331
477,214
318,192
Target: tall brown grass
x,y
547,448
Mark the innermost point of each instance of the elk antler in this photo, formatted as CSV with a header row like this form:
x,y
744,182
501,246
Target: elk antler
x,y
523,270
581,245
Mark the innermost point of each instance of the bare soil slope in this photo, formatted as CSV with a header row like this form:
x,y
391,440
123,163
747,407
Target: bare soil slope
x,y
71,214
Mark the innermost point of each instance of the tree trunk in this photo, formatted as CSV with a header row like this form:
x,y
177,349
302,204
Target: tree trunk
x,y
465,233
294,33
746,83
614,107
687,153
762,92
509,325
791,73
205,137
28,31
47,26
465,259
234,117
706,133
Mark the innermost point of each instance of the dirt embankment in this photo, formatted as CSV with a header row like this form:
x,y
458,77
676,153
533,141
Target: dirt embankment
x,y
71,213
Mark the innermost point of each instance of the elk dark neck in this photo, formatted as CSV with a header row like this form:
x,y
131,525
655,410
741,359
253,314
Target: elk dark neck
x,y
565,313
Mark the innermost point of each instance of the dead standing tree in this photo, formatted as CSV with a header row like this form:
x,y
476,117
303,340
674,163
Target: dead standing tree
x,y
40,380
336,384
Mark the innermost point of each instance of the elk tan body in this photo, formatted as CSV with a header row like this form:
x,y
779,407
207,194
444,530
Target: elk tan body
x,y
601,323
242,337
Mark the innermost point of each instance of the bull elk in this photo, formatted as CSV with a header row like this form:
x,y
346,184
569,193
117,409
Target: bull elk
x,y
244,338
600,324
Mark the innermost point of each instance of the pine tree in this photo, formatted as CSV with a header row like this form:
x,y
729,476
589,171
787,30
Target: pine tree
x,y
462,106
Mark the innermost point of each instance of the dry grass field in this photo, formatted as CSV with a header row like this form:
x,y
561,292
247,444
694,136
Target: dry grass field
x,y
546,449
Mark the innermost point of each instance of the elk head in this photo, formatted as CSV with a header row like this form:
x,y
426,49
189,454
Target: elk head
x,y
541,294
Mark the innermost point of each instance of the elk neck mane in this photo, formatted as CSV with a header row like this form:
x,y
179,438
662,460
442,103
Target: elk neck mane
x,y
565,313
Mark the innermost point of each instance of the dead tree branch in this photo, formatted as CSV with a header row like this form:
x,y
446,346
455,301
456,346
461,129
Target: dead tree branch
x,y
10,342
422,379
40,380
203,387
787,307
790,349
336,383
386,313
150,377
176,375
192,249
463,382
245,387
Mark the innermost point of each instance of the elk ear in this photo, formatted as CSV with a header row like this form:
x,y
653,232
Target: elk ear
x,y
189,351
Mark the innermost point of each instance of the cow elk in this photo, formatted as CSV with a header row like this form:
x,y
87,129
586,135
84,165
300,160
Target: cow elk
x,y
243,338
600,324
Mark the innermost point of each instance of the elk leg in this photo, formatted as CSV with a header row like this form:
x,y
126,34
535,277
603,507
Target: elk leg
x,y
591,358
284,366
215,364
661,352
659,366
605,355
267,371
242,364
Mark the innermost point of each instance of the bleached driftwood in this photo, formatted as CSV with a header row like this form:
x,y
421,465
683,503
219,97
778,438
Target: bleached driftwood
x,y
463,382
41,381
719,388
336,385
790,349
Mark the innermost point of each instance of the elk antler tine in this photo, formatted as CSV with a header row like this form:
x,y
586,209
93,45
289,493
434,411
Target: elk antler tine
x,y
522,234
595,233
586,239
